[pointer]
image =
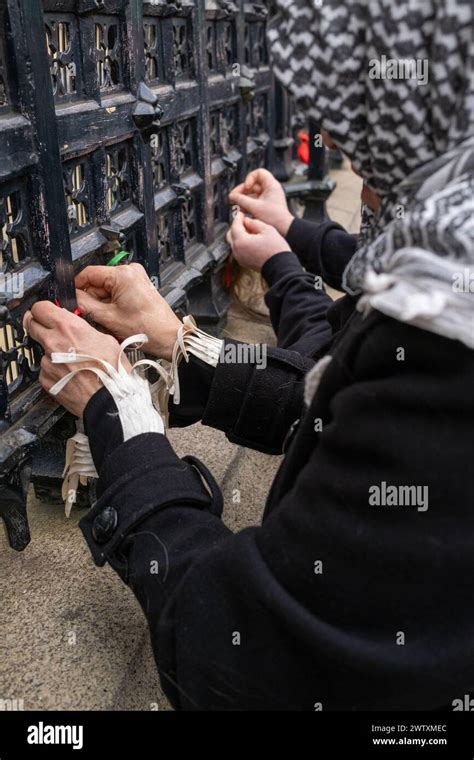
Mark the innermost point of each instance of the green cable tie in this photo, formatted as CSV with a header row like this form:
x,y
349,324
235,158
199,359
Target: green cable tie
x,y
117,258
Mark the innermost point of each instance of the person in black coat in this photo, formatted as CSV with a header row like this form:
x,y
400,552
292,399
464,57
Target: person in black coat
x,y
355,592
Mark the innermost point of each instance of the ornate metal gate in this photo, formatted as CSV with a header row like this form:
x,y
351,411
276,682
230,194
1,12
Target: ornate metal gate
x,y
122,124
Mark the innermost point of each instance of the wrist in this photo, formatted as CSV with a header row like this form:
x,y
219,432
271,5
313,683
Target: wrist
x,y
284,223
161,345
89,385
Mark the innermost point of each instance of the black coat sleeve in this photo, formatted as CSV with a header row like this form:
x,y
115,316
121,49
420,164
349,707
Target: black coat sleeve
x,y
216,612
323,249
246,621
254,404
298,306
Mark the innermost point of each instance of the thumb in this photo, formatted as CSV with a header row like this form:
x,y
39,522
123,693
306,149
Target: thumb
x,y
93,308
246,203
237,226
254,178
255,226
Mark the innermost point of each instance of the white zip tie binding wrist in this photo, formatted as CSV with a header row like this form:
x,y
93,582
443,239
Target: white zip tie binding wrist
x,y
78,467
191,340
132,397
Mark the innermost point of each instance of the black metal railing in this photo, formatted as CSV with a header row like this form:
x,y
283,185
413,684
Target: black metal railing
x,y
123,124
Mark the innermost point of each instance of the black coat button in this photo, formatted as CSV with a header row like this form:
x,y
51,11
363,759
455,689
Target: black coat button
x,y
104,525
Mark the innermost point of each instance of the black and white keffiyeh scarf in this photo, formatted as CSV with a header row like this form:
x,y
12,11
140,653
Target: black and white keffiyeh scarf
x,y
393,85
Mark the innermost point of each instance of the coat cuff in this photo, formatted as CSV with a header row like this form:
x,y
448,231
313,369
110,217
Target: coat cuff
x,y
195,380
304,236
127,499
323,249
226,393
102,426
244,405
279,266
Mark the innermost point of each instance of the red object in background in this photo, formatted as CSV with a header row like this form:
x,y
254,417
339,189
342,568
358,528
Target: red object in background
x,y
303,147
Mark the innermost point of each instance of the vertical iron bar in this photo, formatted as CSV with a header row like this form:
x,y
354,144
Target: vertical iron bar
x,y
315,208
203,140
41,111
143,191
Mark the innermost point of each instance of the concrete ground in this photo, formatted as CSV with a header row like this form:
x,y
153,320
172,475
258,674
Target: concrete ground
x,y
72,635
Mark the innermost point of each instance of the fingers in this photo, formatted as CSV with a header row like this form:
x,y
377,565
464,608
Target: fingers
x,y
137,268
34,329
254,226
98,277
248,184
27,317
46,313
237,192
254,189
41,319
261,177
237,228
243,226
100,293
92,307
45,320
255,183
246,203
237,189
235,231
249,181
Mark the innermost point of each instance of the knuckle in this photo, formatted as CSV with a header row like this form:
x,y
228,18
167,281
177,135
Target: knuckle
x,y
35,310
110,281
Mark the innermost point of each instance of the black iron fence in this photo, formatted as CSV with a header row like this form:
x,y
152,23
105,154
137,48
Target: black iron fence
x,y
123,125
